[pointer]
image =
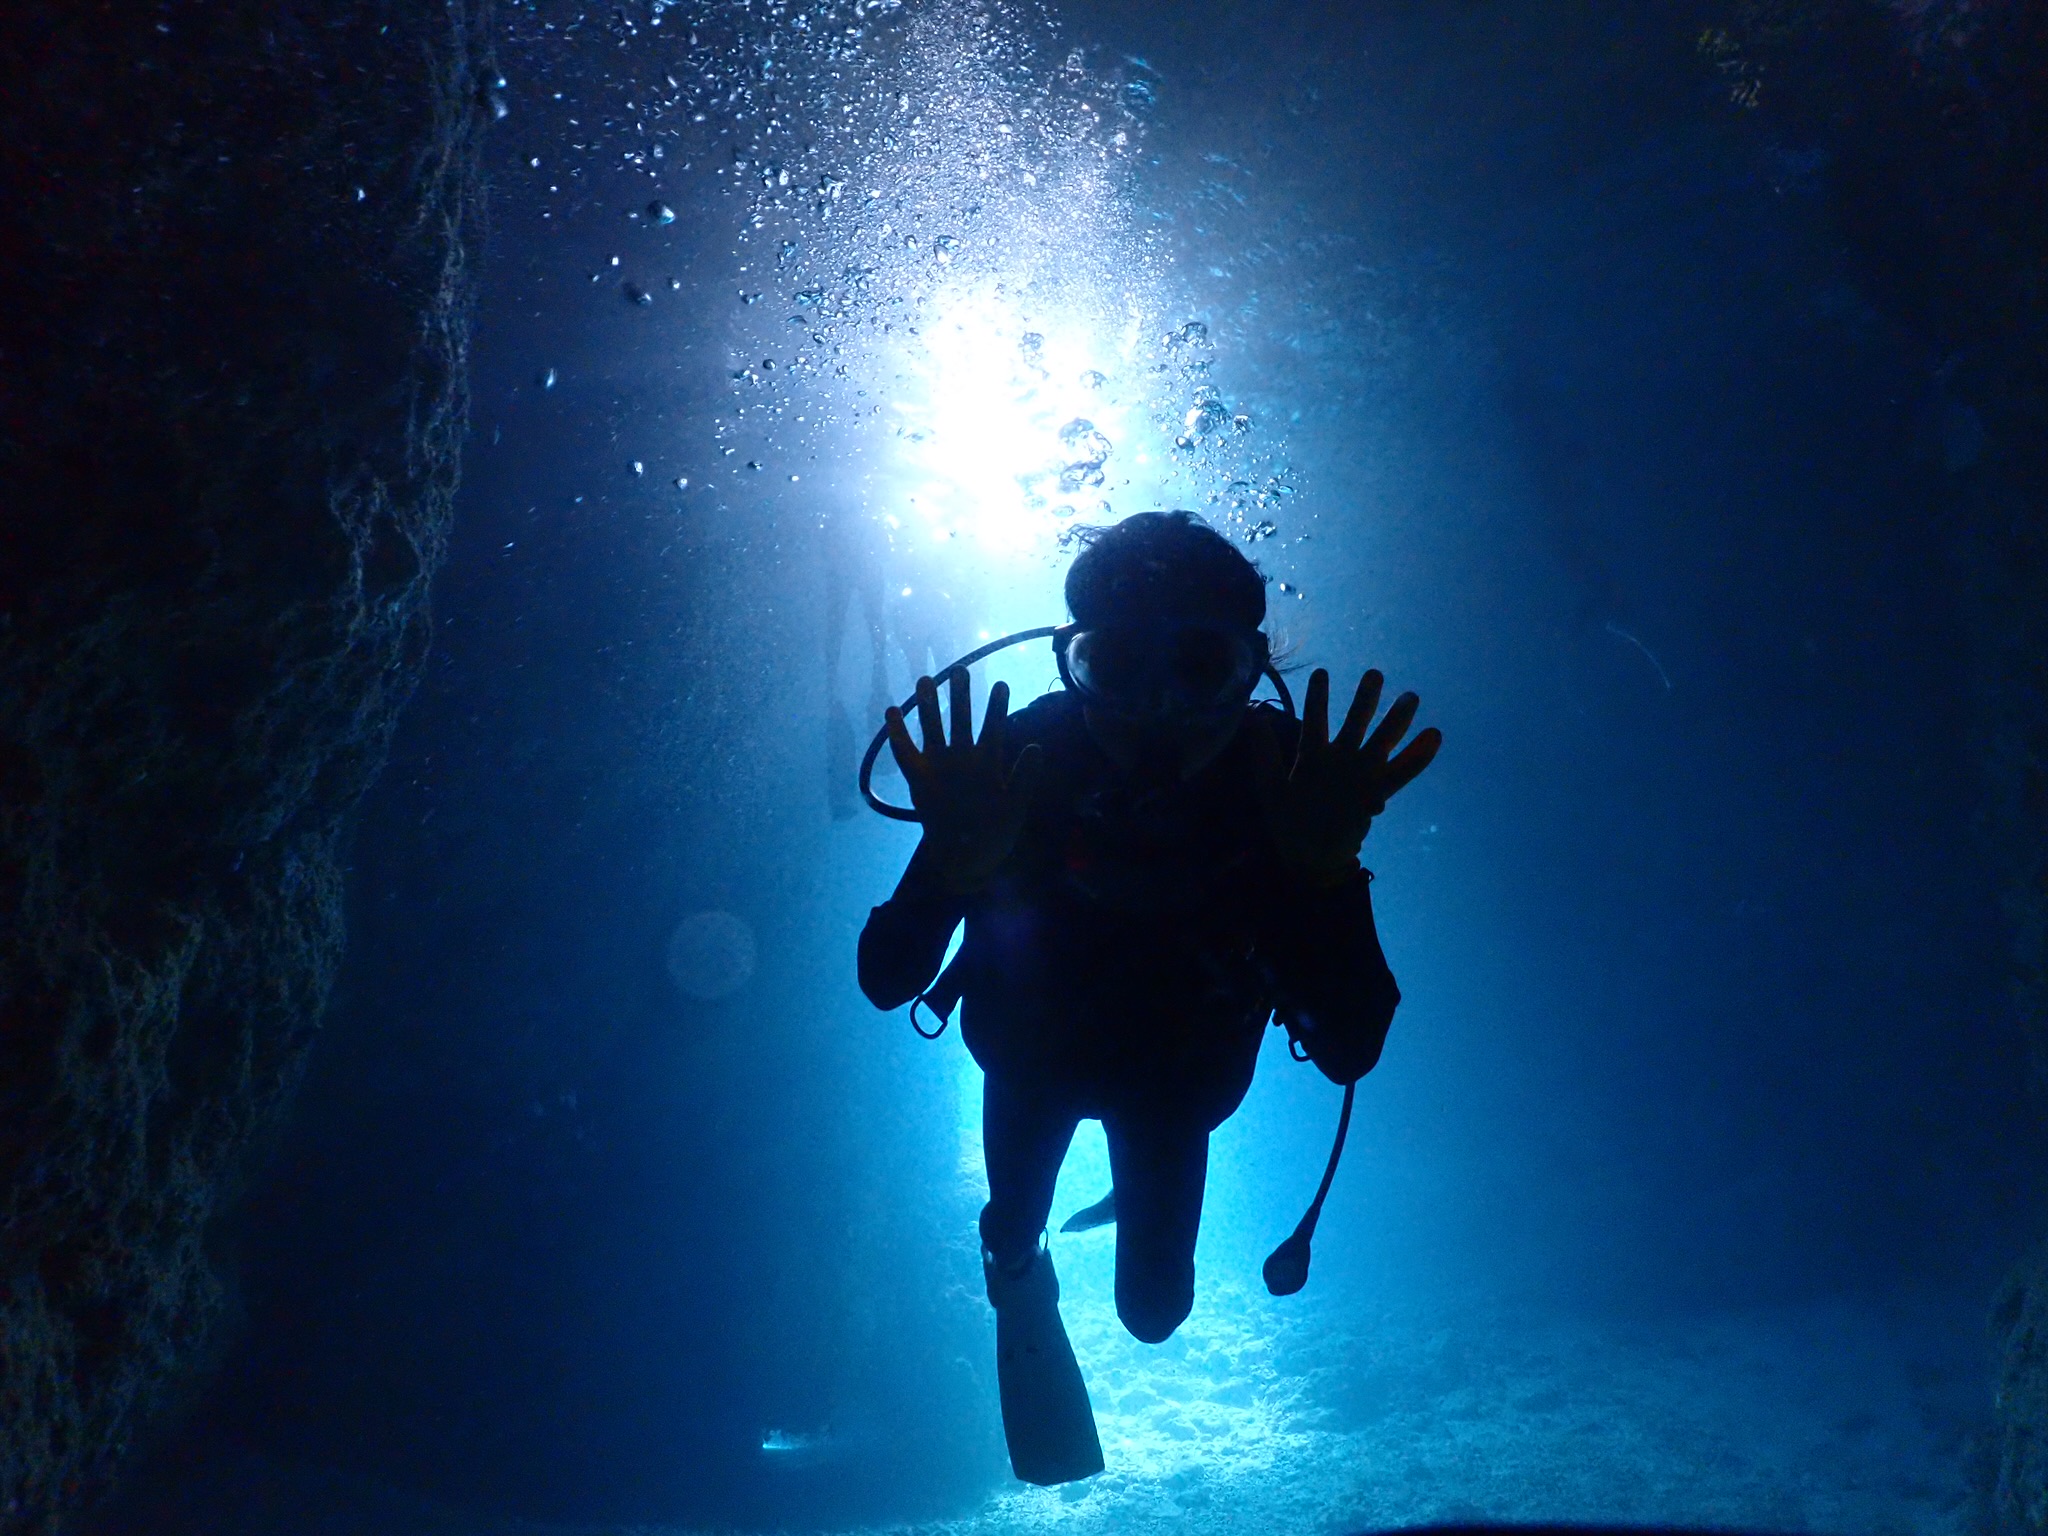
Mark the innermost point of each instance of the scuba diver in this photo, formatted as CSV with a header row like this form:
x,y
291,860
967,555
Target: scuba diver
x,y
922,617
1149,865
853,572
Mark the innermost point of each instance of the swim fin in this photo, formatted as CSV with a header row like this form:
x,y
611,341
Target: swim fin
x,y
1047,1419
1101,1214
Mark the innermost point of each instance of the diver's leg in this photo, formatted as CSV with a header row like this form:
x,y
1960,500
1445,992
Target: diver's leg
x,y
1025,1132
1047,1420
876,613
875,608
1158,1166
842,758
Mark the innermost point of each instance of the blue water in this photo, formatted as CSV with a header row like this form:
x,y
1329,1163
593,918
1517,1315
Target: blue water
x,y
1699,1142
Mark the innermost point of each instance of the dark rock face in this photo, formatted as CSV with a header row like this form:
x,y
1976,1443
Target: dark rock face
x,y
1934,117
2020,1323
232,397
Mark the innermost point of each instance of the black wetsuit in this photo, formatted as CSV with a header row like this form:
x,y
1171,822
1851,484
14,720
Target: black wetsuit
x,y
1121,966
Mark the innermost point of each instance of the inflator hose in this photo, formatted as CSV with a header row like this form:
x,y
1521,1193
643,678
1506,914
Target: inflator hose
x,y
1286,1268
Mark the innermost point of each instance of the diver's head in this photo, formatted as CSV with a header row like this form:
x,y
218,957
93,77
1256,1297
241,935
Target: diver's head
x,y
1165,648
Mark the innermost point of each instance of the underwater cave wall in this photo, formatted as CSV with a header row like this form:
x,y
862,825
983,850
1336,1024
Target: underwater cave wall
x,y
1931,117
239,239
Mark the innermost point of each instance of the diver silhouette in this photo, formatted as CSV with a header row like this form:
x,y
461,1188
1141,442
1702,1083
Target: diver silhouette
x,y
1149,866
863,567
853,573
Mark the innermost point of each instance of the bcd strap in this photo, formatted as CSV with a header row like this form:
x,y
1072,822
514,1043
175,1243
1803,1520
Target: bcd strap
x,y
941,997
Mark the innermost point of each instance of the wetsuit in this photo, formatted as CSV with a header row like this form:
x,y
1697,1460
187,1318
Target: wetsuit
x,y
1121,965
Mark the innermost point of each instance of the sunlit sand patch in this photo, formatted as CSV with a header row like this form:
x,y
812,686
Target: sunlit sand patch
x,y
1822,1418
1845,1418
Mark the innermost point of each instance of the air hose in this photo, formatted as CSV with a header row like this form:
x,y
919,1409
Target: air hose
x,y
867,763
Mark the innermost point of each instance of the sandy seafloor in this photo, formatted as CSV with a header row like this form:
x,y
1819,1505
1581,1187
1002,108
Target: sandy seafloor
x,y
1854,1416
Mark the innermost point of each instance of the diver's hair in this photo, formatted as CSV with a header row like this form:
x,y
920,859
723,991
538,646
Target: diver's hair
x,y
1163,565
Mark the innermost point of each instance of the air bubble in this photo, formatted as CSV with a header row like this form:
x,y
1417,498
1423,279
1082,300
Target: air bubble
x,y
1082,441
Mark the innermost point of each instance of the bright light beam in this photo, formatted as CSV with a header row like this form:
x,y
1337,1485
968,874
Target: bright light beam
x,y
1009,428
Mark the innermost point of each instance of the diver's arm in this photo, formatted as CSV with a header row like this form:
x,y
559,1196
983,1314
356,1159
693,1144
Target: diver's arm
x,y
906,936
971,797
1330,981
1331,984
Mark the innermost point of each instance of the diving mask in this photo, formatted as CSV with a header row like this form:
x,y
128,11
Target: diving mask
x,y
1145,670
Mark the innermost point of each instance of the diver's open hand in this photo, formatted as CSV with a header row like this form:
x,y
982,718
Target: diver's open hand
x,y
1319,809
968,794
